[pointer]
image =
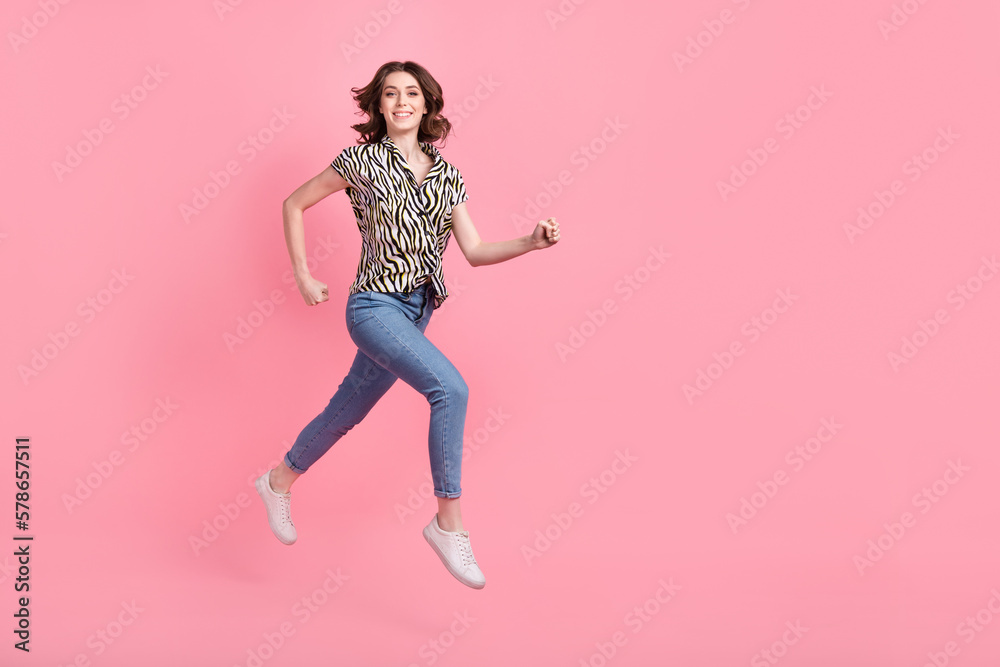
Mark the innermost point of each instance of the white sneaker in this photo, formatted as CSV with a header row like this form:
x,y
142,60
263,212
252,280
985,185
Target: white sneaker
x,y
279,511
455,552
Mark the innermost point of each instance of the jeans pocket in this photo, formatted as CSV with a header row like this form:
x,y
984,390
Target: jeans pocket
x,y
358,307
349,312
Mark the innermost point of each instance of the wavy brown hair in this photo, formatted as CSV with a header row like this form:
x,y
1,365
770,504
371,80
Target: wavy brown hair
x,y
433,125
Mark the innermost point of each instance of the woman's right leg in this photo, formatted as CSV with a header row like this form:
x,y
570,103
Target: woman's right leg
x,y
363,386
360,390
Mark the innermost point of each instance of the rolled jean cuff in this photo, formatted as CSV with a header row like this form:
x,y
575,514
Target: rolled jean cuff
x,y
288,462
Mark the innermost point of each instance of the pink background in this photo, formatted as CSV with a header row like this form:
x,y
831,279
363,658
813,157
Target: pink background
x,y
568,366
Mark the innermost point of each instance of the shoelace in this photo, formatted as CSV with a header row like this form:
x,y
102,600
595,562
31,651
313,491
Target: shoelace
x,y
465,549
284,504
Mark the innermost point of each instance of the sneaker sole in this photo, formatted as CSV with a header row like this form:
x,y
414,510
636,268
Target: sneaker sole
x,y
430,541
259,484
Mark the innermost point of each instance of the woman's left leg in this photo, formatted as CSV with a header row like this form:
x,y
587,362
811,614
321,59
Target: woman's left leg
x,y
450,514
389,328
391,332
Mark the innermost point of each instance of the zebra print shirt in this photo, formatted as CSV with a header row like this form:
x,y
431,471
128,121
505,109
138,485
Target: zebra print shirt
x,y
404,227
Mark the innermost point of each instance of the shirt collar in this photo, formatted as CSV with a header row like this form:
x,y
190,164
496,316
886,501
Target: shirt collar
x,y
428,148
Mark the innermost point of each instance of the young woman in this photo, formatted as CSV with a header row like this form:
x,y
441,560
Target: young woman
x,y
407,201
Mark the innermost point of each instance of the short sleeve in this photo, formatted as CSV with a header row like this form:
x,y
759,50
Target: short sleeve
x,y
346,164
460,194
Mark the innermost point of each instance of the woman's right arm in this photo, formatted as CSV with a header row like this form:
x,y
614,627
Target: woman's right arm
x,y
312,191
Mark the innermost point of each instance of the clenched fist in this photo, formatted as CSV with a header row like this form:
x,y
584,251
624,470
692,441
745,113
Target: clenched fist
x,y
312,290
546,234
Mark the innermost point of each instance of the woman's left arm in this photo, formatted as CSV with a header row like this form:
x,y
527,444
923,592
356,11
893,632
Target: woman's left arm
x,y
480,253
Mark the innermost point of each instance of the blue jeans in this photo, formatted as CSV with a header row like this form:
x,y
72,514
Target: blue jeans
x,y
388,328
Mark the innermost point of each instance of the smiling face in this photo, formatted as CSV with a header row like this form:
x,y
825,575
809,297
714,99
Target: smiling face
x,y
402,103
